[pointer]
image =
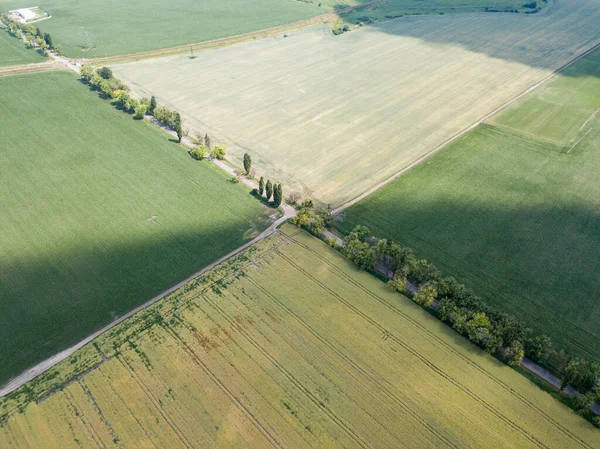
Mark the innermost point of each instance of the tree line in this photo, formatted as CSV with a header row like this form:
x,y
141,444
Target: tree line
x,y
503,335
33,35
269,190
109,87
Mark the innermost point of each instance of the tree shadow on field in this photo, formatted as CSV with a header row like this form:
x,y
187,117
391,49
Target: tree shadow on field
x,y
49,305
539,263
548,39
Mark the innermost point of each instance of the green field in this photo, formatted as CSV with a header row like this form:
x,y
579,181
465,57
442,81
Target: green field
x,y
99,213
13,51
332,116
391,9
99,28
512,210
288,345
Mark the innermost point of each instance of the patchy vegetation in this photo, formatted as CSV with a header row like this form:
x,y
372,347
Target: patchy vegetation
x,y
296,339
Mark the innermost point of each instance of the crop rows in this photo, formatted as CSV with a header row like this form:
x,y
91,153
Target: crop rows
x,y
331,116
294,348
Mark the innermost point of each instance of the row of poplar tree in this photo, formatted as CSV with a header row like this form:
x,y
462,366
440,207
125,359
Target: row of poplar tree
x,y
271,189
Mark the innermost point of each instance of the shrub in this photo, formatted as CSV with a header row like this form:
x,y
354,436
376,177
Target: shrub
x,y
306,204
140,112
426,294
219,152
199,152
398,284
513,354
105,73
86,73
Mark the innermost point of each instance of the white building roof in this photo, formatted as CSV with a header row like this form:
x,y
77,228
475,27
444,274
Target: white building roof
x,y
27,14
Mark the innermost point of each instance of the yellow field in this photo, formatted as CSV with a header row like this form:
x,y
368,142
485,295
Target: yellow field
x,y
334,115
287,346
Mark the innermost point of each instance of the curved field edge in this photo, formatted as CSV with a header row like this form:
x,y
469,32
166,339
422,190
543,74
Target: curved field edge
x,y
247,339
100,29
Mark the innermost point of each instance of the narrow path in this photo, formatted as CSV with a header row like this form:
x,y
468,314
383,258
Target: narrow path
x,y
525,363
288,212
231,39
28,68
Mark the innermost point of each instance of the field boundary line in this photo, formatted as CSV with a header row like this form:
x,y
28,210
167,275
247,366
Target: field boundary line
x,y
265,32
471,362
565,66
432,366
45,365
580,139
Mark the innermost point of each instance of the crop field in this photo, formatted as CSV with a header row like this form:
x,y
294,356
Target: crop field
x,y
288,345
13,51
511,210
391,9
99,214
99,28
334,115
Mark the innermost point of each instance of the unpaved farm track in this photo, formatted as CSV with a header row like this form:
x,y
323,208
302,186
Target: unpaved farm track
x,y
229,40
31,68
463,132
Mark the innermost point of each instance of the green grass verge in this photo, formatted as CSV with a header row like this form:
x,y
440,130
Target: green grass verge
x,y
13,51
99,213
512,215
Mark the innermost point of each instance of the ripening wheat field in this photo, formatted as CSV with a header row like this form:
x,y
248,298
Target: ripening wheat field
x,y
288,345
334,115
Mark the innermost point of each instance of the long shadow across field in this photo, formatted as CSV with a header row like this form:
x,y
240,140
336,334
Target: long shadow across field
x,y
559,32
518,223
84,288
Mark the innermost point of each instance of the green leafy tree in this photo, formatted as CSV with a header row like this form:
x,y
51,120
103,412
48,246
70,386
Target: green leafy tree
x,y
426,294
86,73
48,40
398,284
247,163
139,112
207,141
152,105
219,152
269,190
178,128
199,152
105,73
106,89
539,348
279,197
513,354
261,185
